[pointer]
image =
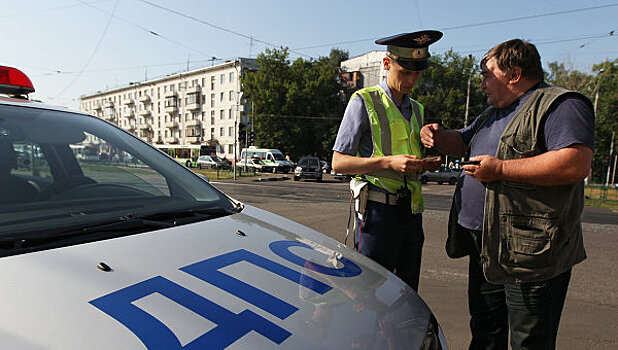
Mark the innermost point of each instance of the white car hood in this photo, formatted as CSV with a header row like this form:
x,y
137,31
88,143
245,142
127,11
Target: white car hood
x,y
213,284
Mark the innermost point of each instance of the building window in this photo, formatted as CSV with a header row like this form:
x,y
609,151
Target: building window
x,y
212,100
222,114
231,95
212,82
231,130
222,96
222,79
221,132
193,98
230,114
212,117
231,77
230,149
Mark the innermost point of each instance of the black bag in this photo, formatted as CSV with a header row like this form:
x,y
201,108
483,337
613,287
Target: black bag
x,y
459,243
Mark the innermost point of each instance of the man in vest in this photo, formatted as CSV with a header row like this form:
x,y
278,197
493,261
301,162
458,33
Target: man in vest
x,y
520,207
379,141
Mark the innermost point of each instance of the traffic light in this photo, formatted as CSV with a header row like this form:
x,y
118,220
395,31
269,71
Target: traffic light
x,y
251,137
242,136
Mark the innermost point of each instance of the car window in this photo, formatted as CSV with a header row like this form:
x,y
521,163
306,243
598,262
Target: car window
x,y
63,171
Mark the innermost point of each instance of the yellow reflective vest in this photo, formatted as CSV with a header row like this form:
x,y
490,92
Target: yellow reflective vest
x,y
392,134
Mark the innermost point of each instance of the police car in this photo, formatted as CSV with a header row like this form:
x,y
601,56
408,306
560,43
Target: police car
x,y
98,253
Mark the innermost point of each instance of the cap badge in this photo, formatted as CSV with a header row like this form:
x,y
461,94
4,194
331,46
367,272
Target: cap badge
x,y
422,39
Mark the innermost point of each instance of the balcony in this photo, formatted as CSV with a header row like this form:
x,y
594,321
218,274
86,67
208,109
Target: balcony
x,y
171,125
193,106
144,113
171,109
170,94
129,102
128,113
110,116
144,99
170,139
194,122
144,126
193,139
194,90
108,104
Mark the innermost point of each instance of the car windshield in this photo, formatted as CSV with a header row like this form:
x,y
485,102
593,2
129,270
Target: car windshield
x,y
64,172
278,156
216,159
309,162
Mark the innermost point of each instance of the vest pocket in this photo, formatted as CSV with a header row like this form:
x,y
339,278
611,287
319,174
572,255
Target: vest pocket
x,y
527,240
522,145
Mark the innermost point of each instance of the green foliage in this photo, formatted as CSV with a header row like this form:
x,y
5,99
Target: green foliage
x,y
297,106
602,88
442,89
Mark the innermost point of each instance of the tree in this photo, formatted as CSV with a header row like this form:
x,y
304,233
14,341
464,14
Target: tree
x,y
604,85
298,106
442,89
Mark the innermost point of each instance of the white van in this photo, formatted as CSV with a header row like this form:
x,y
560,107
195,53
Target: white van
x,y
270,156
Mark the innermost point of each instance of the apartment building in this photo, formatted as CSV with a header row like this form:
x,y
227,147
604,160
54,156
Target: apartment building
x,y
194,107
364,70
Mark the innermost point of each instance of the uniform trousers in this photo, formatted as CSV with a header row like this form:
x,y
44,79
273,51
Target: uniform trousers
x,y
531,310
392,236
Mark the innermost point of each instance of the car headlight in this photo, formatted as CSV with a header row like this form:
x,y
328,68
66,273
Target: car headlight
x,y
432,336
298,168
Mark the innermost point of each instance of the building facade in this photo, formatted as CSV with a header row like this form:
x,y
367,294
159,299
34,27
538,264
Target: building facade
x,y
195,107
364,70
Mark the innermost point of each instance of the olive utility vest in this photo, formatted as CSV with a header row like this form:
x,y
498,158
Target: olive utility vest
x,y
531,233
392,134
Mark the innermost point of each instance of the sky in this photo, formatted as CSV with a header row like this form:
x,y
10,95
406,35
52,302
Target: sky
x,y
71,48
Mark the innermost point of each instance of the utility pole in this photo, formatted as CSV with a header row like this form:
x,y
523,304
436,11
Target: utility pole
x,y
468,94
609,162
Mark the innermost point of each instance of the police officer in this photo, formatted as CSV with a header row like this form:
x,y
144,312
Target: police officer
x,y
378,140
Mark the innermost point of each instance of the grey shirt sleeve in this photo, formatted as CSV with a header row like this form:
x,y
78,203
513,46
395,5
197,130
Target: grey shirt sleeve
x,y
354,136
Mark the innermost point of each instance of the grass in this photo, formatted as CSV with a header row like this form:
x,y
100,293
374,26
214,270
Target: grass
x,y
601,196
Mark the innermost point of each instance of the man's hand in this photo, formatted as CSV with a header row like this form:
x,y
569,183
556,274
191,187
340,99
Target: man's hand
x,y
406,163
490,168
428,134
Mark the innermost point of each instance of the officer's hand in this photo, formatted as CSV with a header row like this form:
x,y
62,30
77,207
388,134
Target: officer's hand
x,y
432,163
406,163
490,168
428,133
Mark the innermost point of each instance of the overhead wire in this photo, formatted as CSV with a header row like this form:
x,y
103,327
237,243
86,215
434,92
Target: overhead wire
x,y
193,18
96,48
471,25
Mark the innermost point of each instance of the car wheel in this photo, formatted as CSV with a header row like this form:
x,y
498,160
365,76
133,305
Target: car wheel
x,y
440,182
423,179
296,178
452,181
199,166
188,164
319,179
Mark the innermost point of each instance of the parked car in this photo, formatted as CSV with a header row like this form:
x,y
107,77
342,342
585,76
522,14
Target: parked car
x,y
326,168
257,164
105,255
442,175
308,168
211,162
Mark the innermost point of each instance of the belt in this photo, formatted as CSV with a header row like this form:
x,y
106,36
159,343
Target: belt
x,y
382,197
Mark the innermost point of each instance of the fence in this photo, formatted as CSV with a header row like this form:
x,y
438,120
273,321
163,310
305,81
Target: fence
x,y
601,193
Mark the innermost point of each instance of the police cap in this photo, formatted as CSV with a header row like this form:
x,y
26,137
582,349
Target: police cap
x,y
411,50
